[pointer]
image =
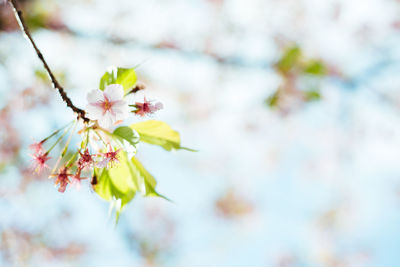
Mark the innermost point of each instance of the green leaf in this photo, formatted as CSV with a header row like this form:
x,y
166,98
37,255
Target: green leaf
x,y
42,76
123,180
289,59
315,67
273,100
106,79
158,133
312,95
125,77
126,133
38,18
115,183
144,179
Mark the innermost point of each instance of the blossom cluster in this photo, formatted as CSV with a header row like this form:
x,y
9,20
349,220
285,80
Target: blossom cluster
x,y
99,148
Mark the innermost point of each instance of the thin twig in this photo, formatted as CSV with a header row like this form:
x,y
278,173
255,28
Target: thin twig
x,y
56,85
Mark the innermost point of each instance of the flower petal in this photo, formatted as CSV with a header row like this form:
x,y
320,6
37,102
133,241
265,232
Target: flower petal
x,y
121,109
95,96
76,182
103,163
94,112
114,92
122,115
107,120
155,107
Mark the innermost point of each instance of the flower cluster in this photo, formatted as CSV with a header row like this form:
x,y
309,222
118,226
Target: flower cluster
x,y
99,148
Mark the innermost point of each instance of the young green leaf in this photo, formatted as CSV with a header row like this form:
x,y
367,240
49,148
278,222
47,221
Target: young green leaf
x,y
126,133
145,179
316,67
115,182
158,133
106,79
289,59
312,95
123,180
273,100
125,77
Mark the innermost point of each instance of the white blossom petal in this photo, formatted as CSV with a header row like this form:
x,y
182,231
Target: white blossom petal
x,y
122,115
95,96
159,105
114,92
103,163
107,120
94,112
121,110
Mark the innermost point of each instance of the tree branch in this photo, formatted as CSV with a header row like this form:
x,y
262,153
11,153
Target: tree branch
x,y
56,85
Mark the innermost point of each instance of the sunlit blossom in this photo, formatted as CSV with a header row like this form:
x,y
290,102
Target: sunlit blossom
x,y
108,158
108,106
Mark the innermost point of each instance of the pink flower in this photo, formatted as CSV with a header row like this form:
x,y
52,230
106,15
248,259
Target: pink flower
x,y
39,161
85,160
62,179
76,182
147,107
37,147
76,179
110,158
108,106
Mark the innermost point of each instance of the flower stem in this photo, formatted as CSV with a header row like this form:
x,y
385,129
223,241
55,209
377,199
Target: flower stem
x,y
56,132
71,160
59,139
68,141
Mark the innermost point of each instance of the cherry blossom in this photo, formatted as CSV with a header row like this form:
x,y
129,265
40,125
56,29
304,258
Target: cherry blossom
x,y
109,158
62,179
108,106
39,161
37,147
76,179
85,160
76,182
147,107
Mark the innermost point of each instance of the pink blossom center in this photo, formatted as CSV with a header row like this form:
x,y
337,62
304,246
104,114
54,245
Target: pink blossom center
x,y
112,155
147,107
85,160
40,161
106,105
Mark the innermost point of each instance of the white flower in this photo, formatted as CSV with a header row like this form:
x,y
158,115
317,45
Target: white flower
x,y
108,106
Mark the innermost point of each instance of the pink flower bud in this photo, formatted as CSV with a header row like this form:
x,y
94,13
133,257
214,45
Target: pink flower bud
x,y
37,147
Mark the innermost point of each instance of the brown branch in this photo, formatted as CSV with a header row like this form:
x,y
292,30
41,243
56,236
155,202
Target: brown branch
x,y
137,88
56,85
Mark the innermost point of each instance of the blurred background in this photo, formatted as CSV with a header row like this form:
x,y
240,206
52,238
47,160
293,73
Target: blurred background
x,y
294,106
